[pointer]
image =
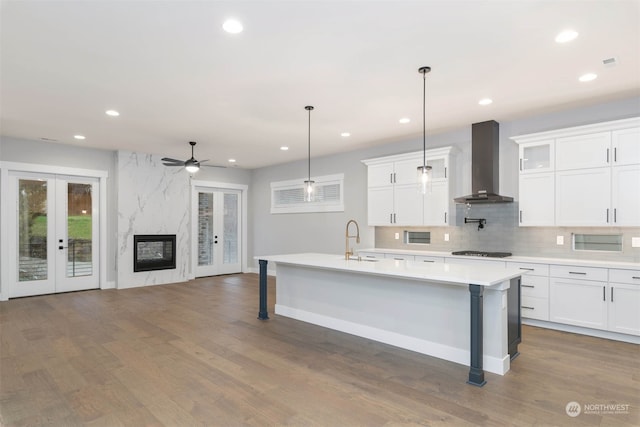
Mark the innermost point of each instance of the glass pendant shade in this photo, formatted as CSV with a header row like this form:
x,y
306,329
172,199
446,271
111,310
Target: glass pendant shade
x,y
309,191
425,179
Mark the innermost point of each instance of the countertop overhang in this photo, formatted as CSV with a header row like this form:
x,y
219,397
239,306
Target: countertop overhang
x,y
453,274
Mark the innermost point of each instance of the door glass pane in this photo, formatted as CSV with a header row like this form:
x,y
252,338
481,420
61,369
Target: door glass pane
x,y
437,168
32,230
79,230
230,248
205,228
536,157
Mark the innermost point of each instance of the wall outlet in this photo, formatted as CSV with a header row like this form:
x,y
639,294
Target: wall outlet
x,y
559,240
446,237
635,242
397,236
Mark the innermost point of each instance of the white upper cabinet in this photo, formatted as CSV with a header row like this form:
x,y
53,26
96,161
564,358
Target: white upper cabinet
x,y
582,176
583,151
583,197
393,193
537,198
625,195
626,146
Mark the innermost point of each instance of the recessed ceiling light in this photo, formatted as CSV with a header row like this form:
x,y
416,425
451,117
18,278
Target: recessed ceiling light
x,y
485,101
112,113
232,160
404,120
566,36
284,148
345,134
232,26
79,137
588,77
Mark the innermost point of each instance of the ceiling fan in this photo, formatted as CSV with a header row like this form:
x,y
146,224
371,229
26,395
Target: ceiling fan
x,y
191,165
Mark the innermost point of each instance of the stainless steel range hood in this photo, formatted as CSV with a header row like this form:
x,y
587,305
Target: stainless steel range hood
x,y
485,164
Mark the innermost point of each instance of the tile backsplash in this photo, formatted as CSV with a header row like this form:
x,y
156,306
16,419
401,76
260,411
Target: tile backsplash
x,y
502,233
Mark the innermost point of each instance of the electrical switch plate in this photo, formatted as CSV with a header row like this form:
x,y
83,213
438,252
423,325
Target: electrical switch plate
x,y
397,236
446,237
559,240
635,242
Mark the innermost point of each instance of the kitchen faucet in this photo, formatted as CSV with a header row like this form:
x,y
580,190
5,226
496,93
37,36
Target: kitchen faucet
x,y
348,252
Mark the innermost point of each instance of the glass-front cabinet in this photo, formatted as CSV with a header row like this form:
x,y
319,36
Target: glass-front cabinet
x,y
537,157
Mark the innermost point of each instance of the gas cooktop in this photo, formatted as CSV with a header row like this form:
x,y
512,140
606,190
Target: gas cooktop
x,y
483,254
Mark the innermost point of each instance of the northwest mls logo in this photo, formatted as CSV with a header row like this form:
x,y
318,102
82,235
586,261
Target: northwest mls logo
x,y
573,409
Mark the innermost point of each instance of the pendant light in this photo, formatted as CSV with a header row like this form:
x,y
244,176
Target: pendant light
x,y
424,171
309,185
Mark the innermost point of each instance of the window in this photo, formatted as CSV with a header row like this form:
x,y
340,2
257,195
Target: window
x,y
288,196
597,242
417,237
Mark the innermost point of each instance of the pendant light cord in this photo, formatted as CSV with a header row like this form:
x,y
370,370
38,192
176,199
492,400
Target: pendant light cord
x,y
424,120
309,108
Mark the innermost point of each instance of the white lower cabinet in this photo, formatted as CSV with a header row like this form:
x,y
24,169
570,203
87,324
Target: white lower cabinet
x,y
534,307
578,302
597,304
624,301
534,290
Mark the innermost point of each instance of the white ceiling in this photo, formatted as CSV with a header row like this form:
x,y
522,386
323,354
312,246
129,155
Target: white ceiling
x,y
176,76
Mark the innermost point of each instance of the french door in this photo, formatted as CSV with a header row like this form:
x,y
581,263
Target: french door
x,y
218,231
53,232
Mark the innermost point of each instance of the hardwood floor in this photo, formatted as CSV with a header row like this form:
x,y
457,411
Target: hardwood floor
x,y
195,354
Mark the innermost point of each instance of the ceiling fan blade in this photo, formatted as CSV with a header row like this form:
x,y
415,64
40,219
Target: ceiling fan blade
x,y
202,161
213,166
169,159
174,164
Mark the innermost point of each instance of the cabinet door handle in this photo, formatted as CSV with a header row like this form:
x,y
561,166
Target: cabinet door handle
x,y
607,155
520,216
615,154
391,218
615,214
528,286
612,294
528,269
604,293
445,172
445,217
528,308
607,215
578,272
520,164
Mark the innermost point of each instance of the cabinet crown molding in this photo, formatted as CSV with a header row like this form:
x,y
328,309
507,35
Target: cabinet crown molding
x,y
435,152
578,130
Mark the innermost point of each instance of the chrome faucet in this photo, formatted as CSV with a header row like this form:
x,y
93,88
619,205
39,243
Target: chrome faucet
x,y
348,253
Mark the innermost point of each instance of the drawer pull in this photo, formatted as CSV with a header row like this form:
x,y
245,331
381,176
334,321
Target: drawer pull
x,y
578,272
528,286
528,308
369,256
399,259
528,269
635,277
427,260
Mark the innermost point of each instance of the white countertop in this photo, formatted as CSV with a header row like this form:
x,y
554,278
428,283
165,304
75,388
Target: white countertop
x,y
535,260
458,274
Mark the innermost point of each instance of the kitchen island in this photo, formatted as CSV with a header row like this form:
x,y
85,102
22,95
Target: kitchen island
x,y
460,313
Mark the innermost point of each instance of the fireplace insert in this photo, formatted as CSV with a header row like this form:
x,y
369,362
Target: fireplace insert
x,y
154,252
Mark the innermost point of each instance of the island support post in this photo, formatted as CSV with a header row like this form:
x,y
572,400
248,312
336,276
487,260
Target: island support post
x,y
476,373
263,314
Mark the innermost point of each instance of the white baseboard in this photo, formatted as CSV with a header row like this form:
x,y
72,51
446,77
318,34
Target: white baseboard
x,y
582,331
457,355
109,285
